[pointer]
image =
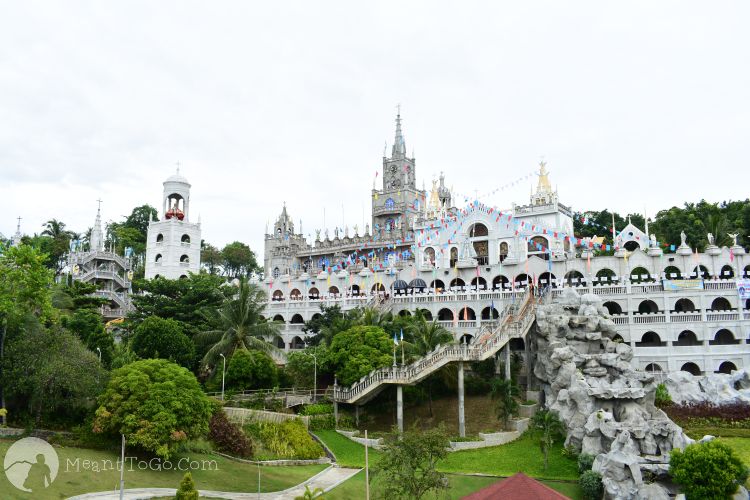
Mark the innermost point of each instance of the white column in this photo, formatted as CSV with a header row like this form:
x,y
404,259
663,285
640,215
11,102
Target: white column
x,y
507,361
400,407
461,417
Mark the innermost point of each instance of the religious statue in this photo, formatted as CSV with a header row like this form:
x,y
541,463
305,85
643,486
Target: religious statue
x,y
683,237
336,232
356,230
326,233
710,237
653,241
734,238
317,235
346,231
367,228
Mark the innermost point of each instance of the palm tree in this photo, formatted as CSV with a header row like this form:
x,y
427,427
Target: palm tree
x,y
373,316
316,494
423,337
55,229
242,326
505,392
548,422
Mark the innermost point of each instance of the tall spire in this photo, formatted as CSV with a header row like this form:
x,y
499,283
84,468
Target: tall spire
x,y
399,146
16,239
96,241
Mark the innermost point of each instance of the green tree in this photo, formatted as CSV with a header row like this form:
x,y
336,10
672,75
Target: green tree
x,y
24,290
52,374
300,366
122,355
332,320
709,470
504,392
242,325
191,301
211,258
187,489
59,242
238,260
408,466
156,404
551,429
251,370
163,338
359,350
88,326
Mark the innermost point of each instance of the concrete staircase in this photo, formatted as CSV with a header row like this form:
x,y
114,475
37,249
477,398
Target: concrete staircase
x,y
515,322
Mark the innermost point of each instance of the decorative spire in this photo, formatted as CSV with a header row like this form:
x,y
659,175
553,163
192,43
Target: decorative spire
x,y
16,240
96,240
544,185
399,146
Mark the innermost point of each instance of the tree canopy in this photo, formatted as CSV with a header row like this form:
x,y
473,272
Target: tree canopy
x,y
162,338
359,350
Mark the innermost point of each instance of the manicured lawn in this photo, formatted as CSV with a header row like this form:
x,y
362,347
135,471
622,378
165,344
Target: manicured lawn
x,y
522,455
740,445
225,475
460,486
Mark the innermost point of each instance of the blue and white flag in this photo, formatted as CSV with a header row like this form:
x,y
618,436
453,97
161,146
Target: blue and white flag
x,y
395,339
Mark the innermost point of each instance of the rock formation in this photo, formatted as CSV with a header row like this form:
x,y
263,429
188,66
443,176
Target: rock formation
x,y
607,406
715,388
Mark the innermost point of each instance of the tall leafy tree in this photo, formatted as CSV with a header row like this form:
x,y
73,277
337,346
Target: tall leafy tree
x,y
359,350
211,258
241,325
163,338
238,260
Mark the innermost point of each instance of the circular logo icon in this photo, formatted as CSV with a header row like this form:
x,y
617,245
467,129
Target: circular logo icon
x,y
31,464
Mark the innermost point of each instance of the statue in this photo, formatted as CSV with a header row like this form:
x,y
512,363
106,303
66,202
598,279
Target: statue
x,y
326,233
367,229
356,230
317,235
336,233
654,244
346,231
734,238
710,237
683,237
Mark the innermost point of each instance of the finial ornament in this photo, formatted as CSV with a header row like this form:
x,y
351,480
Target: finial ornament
x,y
734,238
710,238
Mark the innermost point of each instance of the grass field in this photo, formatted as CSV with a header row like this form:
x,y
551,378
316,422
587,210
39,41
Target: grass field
x,y
226,475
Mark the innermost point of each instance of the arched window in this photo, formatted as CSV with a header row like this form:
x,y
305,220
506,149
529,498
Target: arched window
x,y
429,254
727,367
297,343
426,314
653,367
606,277
726,272
278,296
574,278
278,318
404,313
618,338
648,307
500,283
333,290
457,282
650,339
354,290
159,238
377,288
316,316
297,319
490,313
613,307
279,343
640,274
478,230
157,276
454,256
184,259
747,272
691,368
672,273
723,337
183,276
445,314
185,239
687,338
295,294
631,246
466,339
438,286
466,314
522,281
390,204
276,273
721,304
313,293
503,251
538,244
684,305
158,258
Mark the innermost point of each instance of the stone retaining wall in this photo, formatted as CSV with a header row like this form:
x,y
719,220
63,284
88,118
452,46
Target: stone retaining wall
x,y
245,415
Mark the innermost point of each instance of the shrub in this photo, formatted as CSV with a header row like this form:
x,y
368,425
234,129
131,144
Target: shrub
x,y
187,489
591,485
155,404
585,461
662,397
288,439
707,470
227,436
317,409
251,370
476,386
163,338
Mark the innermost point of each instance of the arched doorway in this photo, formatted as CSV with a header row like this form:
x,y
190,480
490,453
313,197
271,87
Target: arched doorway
x,y
478,233
687,338
613,307
691,368
672,273
684,305
438,286
295,295
522,281
354,290
721,304
445,314
574,278
547,279
727,272
653,367
479,283
467,339
454,256
278,318
650,339
426,314
429,255
377,288
648,307
723,337
297,343
333,290
500,283
466,314
700,272
279,343
503,251
490,313
404,313
458,283
727,367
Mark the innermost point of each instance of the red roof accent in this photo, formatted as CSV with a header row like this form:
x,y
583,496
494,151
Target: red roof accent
x,y
517,487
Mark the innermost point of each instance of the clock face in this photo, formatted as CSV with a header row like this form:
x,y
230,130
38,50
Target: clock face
x,y
395,183
394,168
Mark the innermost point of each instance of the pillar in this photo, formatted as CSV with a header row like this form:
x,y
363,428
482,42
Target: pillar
x,y
461,417
356,415
336,412
400,407
528,361
507,361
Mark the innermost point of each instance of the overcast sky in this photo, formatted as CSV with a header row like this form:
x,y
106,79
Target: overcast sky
x,y
632,104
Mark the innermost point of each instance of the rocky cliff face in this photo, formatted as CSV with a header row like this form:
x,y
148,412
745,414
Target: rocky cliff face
x,y
607,406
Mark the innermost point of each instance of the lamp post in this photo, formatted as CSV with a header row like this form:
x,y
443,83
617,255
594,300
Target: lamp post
x,y
223,370
315,374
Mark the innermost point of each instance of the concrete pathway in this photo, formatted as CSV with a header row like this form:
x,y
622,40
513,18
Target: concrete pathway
x,y
326,479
